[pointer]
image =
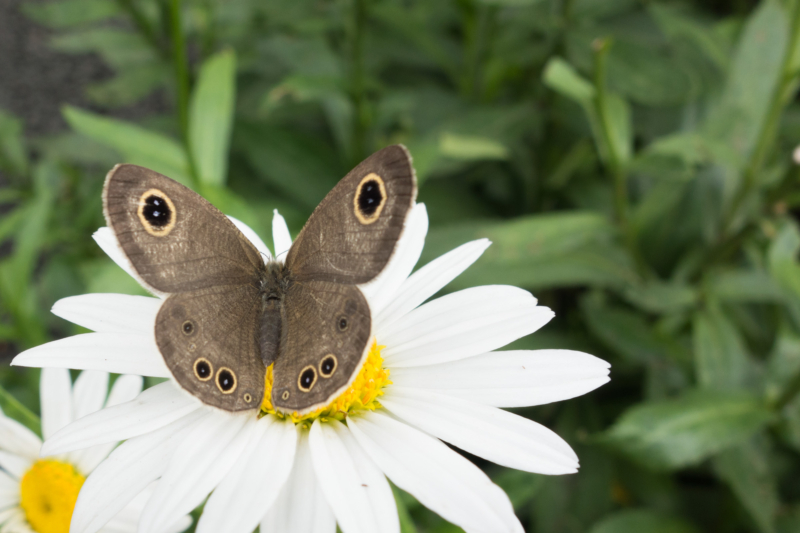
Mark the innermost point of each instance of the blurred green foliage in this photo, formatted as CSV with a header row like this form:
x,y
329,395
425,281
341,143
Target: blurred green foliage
x,y
630,160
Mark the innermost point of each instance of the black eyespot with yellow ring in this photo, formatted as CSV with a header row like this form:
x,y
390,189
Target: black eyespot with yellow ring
x,y
370,198
307,378
203,369
226,380
188,328
328,365
156,212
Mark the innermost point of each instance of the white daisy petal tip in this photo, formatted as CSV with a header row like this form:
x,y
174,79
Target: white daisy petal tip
x,y
281,237
252,236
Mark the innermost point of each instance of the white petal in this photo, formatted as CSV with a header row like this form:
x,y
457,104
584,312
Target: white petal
x,y
89,393
125,389
515,378
127,520
301,506
438,477
281,237
127,471
252,486
16,465
88,396
354,487
110,313
382,290
252,236
9,491
120,353
488,432
14,521
429,280
200,462
105,238
17,439
55,389
462,324
154,408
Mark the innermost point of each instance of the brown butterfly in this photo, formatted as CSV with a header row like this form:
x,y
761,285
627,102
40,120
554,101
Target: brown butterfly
x,y
228,314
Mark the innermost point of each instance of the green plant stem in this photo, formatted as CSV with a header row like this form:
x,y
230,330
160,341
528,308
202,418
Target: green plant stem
x,y
766,136
359,83
602,47
181,66
16,410
613,159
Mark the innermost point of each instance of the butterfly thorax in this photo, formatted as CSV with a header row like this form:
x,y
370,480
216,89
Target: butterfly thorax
x,y
273,284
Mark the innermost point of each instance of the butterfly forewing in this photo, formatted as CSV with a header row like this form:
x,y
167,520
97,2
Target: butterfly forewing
x,y
353,232
175,240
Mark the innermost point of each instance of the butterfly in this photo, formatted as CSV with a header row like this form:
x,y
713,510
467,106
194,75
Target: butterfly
x,y
228,314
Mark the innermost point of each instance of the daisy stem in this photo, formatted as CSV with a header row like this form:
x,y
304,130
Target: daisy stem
x,y
14,409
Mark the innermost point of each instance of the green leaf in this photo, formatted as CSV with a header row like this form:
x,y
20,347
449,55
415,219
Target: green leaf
x,y
564,249
744,286
12,408
136,144
642,521
755,73
658,297
620,128
406,522
564,79
211,117
746,470
468,148
628,333
677,433
721,360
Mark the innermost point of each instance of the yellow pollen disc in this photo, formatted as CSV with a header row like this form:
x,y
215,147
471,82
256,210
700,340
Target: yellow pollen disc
x,y
362,394
48,493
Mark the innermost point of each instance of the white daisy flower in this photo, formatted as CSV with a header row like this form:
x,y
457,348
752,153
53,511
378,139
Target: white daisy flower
x,y
432,375
38,495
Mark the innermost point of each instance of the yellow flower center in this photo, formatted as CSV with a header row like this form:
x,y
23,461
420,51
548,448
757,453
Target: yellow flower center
x,y
48,493
362,394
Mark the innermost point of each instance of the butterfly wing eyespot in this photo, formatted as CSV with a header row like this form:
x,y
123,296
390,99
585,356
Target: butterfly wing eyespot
x,y
307,379
341,323
226,380
247,397
369,199
203,369
156,212
285,395
328,365
188,328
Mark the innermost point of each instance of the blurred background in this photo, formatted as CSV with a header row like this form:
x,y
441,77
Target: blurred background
x,y
631,160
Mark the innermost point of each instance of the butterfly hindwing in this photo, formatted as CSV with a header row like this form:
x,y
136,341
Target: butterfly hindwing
x,y
326,332
209,341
